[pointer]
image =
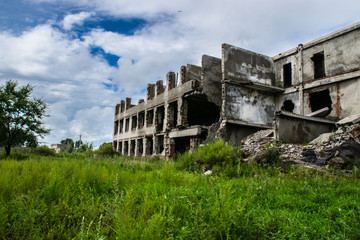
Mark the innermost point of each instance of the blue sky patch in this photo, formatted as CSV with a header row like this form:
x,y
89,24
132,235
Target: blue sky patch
x,y
110,58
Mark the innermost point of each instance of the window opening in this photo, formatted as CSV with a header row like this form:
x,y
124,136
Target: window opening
x,y
202,112
127,123
319,65
133,122
288,106
150,117
149,146
160,144
126,148
120,146
319,100
287,75
173,114
116,127
140,147
132,147
141,119
160,118
121,125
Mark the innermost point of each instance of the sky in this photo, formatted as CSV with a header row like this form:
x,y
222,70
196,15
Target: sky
x,y
85,56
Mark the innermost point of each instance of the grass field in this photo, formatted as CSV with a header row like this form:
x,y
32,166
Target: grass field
x,y
68,197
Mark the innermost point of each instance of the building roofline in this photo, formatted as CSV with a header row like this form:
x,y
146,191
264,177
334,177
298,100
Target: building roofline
x,y
319,40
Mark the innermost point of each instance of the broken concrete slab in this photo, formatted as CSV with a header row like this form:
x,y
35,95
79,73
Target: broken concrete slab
x,y
319,113
349,120
322,138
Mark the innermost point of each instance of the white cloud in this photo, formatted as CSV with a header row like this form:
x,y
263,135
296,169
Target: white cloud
x,y
75,19
178,32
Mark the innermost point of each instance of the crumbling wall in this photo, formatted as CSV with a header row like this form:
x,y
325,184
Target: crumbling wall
x,y
291,128
249,105
241,64
341,53
211,78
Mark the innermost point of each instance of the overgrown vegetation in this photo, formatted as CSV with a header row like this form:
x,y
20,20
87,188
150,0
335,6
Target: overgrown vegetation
x,y
78,196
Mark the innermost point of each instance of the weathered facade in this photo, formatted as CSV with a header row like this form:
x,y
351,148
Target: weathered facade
x,y
300,92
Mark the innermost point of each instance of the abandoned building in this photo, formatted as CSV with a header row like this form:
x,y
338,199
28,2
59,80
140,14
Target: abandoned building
x,y
299,93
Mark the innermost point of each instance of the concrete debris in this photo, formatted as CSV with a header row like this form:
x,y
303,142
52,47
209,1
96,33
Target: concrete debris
x,y
349,120
254,143
335,149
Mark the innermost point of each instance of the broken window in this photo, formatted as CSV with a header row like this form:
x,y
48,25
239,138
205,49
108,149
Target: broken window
x,y
173,114
127,123
149,146
150,117
126,148
121,125
132,147
133,122
120,144
160,118
182,144
201,111
287,75
319,65
320,100
288,106
116,127
141,119
115,145
140,147
160,144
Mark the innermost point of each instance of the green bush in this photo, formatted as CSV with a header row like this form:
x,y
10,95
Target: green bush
x,y
44,151
218,156
106,150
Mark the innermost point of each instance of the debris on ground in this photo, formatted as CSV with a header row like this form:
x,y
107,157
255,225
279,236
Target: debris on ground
x,y
337,149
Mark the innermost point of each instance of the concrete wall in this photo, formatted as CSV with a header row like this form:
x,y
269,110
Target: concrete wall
x,y
342,54
249,105
241,64
291,128
211,78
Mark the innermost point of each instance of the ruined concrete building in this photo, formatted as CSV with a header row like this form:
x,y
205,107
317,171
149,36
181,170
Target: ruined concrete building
x,y
299,93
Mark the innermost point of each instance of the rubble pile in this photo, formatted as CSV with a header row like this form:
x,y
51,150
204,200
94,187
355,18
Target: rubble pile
x,y
256,142
335,149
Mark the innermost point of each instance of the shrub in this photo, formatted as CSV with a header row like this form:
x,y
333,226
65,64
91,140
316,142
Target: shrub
x,y
44,151
217,156
106,150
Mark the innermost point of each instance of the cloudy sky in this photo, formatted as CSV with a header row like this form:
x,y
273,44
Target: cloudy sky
x,y
84,56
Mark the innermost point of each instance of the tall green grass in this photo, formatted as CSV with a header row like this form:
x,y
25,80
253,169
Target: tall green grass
x,y
127,198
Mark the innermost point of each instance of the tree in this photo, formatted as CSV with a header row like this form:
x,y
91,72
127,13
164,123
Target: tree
x,y
20,116
78,144
70,142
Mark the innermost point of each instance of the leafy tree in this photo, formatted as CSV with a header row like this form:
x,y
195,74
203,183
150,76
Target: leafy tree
x,y
68,141
78,144
20,116
87,147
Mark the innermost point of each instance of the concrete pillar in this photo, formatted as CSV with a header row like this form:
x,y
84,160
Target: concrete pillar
x,y
301,87
183,77
159,88
122,105
194,143
128,103
150,91
182,112
144,147
170,80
